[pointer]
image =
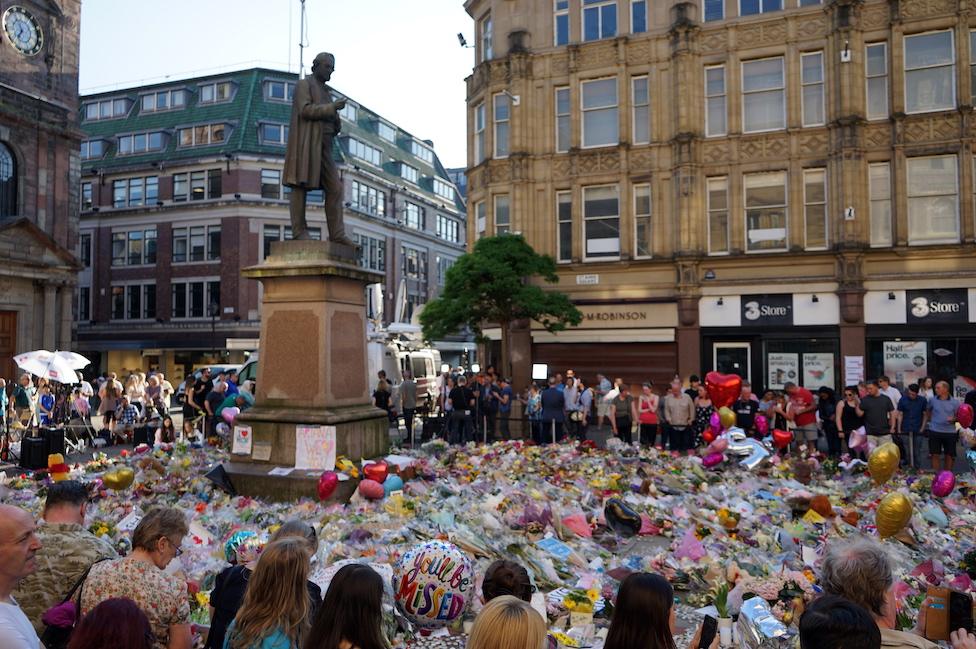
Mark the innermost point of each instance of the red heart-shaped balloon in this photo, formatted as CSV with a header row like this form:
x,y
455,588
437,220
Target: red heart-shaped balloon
x,y
377,471
723,389
328,482
782,438
708,436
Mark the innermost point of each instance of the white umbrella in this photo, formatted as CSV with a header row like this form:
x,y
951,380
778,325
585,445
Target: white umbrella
x,y
56,366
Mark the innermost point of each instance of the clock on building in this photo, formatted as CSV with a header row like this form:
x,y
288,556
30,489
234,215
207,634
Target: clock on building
x,y
23,30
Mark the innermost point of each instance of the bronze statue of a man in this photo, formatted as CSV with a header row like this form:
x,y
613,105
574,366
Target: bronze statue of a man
x,y
308,158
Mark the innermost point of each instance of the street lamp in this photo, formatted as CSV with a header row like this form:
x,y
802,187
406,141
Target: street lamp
x,y
213,311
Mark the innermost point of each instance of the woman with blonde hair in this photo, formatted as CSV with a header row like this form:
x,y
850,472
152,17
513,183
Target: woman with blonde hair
x,y
507,622
135,390
274,614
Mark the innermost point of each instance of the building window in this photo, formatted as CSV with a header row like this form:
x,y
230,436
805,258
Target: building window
x,y
812,80
194,299
372,252
601,222
503,215
8,181
485,39
350,112
203,135
134,192
641,103
765,207
876,72
364,151
410,173
422,151
810,3
134,248
479,133
600,122
86,194
106,109
564,221
140,143
415,216
133,302
448,229
85,249
481,219
563,124
929,72
714,9
283,91
879,188
443,265
500,118
274,134
386,131
763,95
271,183
118,302
163,100
197,185
213,93
642,220
84,303
599,19
368,199
93,149
972,66
561,22
715,106
815,208
196,243
444,189
752,7
274,233
933,200
718,216
638,16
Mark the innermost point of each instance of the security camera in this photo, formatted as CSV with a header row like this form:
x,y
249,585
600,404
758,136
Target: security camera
x,y
462,40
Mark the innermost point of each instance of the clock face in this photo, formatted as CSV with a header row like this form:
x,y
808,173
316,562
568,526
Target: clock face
x,y
22,29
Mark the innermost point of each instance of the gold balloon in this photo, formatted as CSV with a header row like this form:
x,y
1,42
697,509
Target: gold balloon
x,y
726,416
884,462
894,512
118,479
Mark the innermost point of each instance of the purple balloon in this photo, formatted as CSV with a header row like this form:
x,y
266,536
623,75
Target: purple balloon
x,y
715,423
943,484
762,425
712,460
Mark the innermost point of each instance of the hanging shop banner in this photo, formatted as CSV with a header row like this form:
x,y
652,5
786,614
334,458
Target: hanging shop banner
x,y
932,306
818,370
853,370
905,362
961,386
767,310
783,368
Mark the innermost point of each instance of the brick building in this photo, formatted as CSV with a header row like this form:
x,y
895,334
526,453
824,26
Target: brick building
x,y
181,189
779,188
39,170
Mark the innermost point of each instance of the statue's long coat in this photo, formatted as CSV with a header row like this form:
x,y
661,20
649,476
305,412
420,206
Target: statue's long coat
x,y
313,115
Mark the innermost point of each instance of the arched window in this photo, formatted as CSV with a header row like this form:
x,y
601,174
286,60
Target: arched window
x,y
8,182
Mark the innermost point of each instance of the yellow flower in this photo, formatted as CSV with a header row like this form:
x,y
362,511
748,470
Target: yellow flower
x,y
593,594
203,598
569,604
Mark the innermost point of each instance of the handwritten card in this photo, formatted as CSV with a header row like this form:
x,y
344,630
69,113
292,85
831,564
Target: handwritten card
x,y
242,440
315,447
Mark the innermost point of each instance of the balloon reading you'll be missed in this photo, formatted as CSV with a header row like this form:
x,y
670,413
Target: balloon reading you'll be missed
x,y
431,584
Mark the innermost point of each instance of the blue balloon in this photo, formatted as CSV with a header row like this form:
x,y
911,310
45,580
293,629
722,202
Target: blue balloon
x,y
392,483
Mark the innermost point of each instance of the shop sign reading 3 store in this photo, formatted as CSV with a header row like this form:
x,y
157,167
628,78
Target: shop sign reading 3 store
x,y
947,305
766,310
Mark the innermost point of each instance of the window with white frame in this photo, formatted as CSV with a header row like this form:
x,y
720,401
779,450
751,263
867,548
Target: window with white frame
x,y
136,143
763,95
349,112
202,135
372,251
161,100
364,151
480,219
415,216
479,133
500,119
196,243
933,200
368,199
195,299
812,80
84,304
272,233
503,215
638,16
444,189
274,134
601,124
601,222
443,265
713,9
448,229
107,109
271,183
86,196
641,105
642,220
215,93
564,222
134,192
422,151
409,173
85,249
879,190
716,112
560,22
766,211
563,124
283,91
752,7
815,208
485,38
718,215
876,74
91,149
133,301
197,185
930,72
134,247
386,131
599,19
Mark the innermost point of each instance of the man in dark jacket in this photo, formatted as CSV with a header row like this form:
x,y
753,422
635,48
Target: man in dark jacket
x,y
553,408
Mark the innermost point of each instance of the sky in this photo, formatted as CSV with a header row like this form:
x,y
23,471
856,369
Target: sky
x,y
399,58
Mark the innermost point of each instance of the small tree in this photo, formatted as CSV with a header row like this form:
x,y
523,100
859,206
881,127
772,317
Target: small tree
x,y
492,284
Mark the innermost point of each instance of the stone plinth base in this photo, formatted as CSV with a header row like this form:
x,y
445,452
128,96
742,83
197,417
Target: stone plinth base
x,y
252,480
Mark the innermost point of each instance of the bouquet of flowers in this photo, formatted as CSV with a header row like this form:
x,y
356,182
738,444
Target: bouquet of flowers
x,y
787,592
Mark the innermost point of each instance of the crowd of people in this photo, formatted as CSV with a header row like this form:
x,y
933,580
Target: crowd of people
x,y
62,585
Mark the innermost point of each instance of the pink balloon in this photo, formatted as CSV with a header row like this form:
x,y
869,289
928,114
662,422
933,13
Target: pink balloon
x,y
713,460
229,414
943,484
965,415
371,489
762,425
715,423
718,446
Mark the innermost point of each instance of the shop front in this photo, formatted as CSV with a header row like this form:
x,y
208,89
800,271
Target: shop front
x,y
773,339
912,334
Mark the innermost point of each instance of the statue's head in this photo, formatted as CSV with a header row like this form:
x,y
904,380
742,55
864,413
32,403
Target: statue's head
x,y
322,66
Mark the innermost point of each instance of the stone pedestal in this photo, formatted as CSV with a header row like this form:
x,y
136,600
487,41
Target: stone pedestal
x,y
312,366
